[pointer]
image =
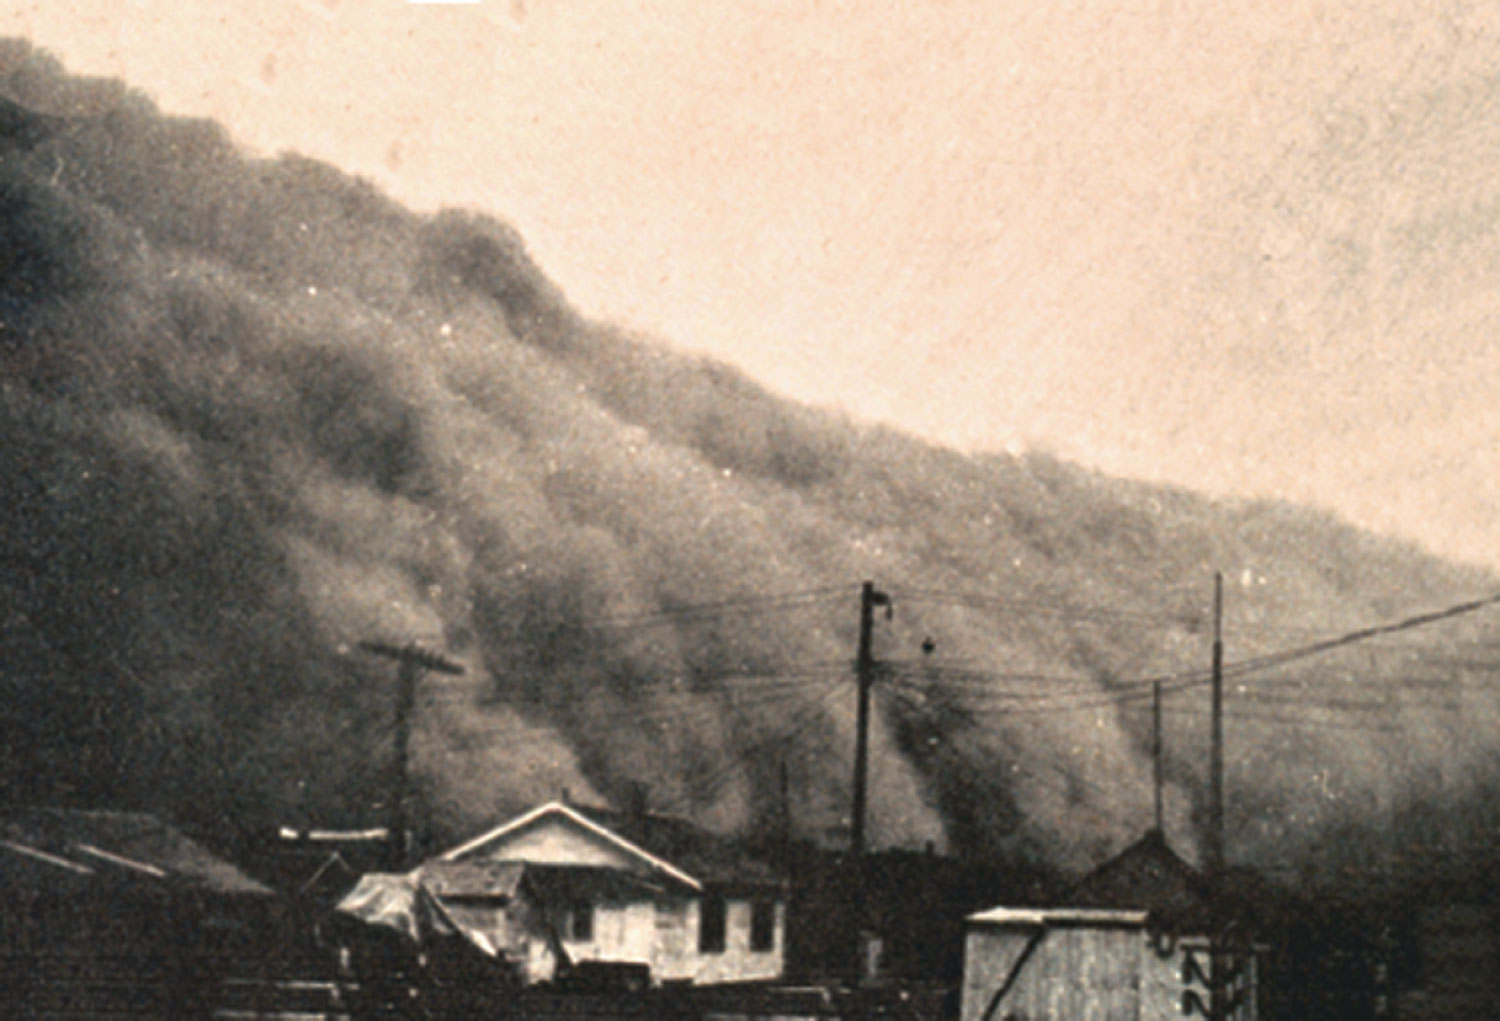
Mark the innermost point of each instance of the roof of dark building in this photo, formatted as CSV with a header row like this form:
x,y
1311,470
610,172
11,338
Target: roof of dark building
x,y
701,852
319,866
74,845
1149,875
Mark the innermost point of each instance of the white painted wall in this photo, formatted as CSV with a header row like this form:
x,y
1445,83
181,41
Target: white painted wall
x,y
664,934
622,932
737,962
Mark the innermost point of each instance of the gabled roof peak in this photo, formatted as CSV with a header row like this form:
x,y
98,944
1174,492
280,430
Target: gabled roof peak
x,y
579,818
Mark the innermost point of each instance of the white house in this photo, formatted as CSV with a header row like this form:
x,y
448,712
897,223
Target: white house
x,y
644,888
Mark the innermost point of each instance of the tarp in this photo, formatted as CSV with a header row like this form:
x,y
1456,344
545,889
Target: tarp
x,y
484,880
400,902
512,933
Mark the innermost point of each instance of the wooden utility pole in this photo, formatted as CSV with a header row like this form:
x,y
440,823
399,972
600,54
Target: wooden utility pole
x,y
864,668
1219,1002
413,662
1156,776
1223,970
862,918
1215,849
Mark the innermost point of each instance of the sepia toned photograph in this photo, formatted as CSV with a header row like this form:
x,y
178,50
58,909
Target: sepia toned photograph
x,y
733,510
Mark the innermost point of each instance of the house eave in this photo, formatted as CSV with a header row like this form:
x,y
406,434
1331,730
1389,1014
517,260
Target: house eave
x,y
560,808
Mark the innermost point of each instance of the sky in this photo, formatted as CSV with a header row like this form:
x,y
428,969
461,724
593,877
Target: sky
x,y
1252,249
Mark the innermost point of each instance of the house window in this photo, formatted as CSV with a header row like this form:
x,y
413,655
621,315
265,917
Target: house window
x,y
711,925
581,922
762,926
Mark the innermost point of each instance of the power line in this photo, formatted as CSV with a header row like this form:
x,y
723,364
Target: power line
x,y
1362,634
713,783
698,612
961,675
1031,705
1294,721
1071,776
1334,704
959,688
1032,607
1027,703
702,706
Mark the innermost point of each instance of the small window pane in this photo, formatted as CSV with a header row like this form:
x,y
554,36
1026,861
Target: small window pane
x,y
581,922
763,926
711,925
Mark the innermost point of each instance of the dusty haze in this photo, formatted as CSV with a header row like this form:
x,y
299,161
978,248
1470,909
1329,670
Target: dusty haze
x,y
254,412
1251,249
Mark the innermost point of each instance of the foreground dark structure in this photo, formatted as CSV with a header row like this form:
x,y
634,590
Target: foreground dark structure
x,y
117,914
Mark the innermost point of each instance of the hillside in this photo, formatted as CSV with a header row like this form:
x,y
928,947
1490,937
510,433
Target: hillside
x,y
254,413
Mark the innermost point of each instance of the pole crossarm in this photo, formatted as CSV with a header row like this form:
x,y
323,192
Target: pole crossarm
x,y
414,655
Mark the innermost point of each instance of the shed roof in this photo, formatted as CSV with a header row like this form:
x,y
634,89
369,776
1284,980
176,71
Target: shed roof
x,y
1034,917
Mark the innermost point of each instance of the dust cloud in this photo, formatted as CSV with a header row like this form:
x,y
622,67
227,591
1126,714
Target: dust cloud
x,y
255,413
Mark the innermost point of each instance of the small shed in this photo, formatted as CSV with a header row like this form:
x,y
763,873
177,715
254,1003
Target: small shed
x,y
1136,939
1077,963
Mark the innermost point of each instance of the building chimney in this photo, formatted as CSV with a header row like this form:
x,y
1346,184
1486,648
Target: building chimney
x,y
637,799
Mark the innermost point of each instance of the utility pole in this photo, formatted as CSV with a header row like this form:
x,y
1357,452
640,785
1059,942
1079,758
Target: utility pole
x,y
1219,978
413,662
1215,849
1224,969
1156,751
1225,963
864,668
863,964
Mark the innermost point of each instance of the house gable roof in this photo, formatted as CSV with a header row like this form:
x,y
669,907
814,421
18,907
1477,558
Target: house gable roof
x,y
1149,875
561,810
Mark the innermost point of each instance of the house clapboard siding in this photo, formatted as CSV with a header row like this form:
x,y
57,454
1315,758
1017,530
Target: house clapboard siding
x,y
691,905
